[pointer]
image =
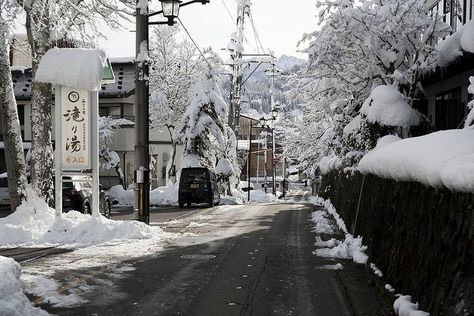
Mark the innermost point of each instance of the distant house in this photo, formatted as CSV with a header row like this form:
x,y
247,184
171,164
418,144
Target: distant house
x,y
258,138
445,88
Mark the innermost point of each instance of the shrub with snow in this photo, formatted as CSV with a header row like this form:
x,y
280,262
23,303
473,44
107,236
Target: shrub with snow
x,y
387,106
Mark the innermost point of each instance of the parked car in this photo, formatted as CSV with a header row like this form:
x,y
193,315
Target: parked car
x,y
4,195
198,185
77,195
244,185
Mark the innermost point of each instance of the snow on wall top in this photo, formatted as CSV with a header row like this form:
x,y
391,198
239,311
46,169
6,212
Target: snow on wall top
x,y
72,67
387,106
444,158
454,45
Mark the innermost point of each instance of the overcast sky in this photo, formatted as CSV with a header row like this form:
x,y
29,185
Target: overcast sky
x,y
280,25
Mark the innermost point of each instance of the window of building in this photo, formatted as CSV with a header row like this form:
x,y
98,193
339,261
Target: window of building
x,y
449,110
112,110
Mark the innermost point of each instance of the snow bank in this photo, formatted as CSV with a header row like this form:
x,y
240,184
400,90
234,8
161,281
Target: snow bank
x,y
440,158
72,67
349,248
387,106
260,196
403,306
166,195
12,300
34,223
453,46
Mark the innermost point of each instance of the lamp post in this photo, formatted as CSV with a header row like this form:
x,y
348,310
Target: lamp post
x,y
274,114
249,157
170,10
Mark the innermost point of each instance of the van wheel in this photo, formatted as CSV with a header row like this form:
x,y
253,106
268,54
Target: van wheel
x,y
211,203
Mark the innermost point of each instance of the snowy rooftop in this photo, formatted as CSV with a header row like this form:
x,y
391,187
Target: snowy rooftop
x,y
124,86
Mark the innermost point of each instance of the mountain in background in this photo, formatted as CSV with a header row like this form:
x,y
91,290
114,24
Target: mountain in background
x,y
290,63
258,82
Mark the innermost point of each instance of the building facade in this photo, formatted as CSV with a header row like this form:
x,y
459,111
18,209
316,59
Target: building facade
x,y
445,88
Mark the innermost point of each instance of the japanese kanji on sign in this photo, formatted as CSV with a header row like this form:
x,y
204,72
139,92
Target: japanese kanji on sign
x,y
75,120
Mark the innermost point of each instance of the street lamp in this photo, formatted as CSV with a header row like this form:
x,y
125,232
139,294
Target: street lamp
x,y
170,10
274,114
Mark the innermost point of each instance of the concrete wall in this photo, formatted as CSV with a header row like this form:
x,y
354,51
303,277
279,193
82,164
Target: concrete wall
x,y
420,237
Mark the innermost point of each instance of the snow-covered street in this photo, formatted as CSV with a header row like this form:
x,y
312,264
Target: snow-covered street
x,y
255,259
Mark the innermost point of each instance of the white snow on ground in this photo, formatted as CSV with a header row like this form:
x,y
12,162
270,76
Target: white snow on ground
x,y
166,195
196,225
349,248
437,159
99,242
352,248
35,224
336,266
403,306
12,300
84,68
389,288
376,270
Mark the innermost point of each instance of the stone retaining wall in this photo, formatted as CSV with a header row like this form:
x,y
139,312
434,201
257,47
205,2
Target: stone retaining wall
x,y
420,237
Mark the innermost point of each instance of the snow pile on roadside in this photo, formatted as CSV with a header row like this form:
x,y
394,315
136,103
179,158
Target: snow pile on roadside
x,y
166,195
403,306
349,248
437,159
34,223
322,224
12,300
259,196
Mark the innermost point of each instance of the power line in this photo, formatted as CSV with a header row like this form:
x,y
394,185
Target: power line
x,y
257,38
201,53
227,9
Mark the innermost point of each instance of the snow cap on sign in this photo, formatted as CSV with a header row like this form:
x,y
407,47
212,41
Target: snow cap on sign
x,y
78,68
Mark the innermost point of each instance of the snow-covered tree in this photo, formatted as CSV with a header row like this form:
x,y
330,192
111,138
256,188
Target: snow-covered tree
x,y
110,159
49,23
174,66
203,123
361,45
14,156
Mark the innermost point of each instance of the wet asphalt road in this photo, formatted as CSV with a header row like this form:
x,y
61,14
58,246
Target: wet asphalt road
x,y
245,260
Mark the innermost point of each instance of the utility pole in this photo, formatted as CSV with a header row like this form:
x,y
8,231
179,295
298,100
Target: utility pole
x,y
141,210
236,49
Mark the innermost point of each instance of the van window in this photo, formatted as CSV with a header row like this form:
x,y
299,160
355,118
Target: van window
x,y
189,175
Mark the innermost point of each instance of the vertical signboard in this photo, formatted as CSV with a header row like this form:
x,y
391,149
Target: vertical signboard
x,y
75,129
